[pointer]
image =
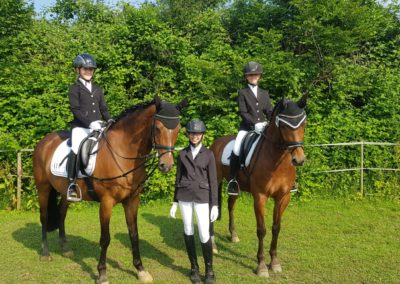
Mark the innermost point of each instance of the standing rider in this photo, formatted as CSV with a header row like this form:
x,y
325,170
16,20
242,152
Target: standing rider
x,y
89,109
255,109
196,189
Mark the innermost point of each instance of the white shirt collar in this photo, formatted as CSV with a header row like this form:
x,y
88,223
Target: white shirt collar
x,y
87,84
254,89
195,150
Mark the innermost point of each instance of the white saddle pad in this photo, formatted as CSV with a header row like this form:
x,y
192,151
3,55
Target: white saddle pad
x,y
59,162
226,154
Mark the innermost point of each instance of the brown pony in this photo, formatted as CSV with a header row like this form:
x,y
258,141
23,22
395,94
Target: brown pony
x,y
271,173
118,176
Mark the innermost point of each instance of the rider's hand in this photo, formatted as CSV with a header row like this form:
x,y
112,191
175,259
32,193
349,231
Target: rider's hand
x,y
95,125
172,211
214,213
259,127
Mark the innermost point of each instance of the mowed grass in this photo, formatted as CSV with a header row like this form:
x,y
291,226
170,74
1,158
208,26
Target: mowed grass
x,y
321,241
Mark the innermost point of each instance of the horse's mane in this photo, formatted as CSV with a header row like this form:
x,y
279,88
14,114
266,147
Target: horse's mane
x,y
133,108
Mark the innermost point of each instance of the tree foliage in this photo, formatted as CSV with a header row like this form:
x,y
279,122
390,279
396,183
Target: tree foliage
x,y
345,53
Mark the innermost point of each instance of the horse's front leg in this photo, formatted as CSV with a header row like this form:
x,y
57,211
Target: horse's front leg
x,y
61,231
105,216
231,208
280,206
131,206
259,203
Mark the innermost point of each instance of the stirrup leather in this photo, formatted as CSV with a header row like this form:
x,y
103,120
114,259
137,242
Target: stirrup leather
x,y
78,193
233,187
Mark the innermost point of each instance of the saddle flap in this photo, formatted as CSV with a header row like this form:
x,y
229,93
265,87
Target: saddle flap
x,y
87,149
249,144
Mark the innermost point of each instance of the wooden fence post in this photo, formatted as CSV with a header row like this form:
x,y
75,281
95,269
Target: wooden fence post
x,y
19,179
362,169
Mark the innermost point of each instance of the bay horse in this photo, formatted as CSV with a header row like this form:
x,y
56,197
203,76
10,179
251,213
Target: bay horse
x,y
118,176
270,173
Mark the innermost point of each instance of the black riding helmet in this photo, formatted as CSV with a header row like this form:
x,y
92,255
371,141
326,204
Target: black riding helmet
x,y
85,60
253,68
195,126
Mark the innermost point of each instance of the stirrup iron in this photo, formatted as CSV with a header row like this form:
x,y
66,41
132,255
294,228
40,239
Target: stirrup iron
x,y
235,185
78,193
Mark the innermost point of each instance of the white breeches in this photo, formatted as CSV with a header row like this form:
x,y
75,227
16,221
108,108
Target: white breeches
x,y
238,141
78,134
202,212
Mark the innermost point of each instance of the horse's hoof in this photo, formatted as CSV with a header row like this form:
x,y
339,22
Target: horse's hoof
x,y
235,239
102,280
263,272
145,277
277,268
69,253
46,258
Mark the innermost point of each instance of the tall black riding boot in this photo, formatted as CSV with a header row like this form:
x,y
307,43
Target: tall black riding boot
x,y
191,251
233,186
208,261
72,194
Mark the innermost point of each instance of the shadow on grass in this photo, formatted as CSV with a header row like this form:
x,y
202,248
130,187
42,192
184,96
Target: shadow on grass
x,y
168,229
83,248
171,230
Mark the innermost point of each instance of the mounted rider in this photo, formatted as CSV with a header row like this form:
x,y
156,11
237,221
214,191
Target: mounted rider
x,y
89,110
255,109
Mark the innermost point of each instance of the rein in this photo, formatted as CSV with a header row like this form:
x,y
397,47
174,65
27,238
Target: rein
x,y
153,155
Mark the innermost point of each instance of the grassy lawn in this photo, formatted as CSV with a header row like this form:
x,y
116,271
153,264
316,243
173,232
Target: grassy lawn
x,y
321,241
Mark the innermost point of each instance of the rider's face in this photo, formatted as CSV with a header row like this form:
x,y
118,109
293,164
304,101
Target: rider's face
x,y
86,73
195,138
253,78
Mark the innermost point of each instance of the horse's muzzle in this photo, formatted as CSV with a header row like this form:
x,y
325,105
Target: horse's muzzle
x,y
165,168
298,156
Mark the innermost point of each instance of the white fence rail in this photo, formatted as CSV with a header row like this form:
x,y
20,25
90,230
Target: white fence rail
x,y
19,173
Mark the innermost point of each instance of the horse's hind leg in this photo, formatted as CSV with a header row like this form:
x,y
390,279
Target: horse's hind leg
x,y
43,194
231,207
280,206
131,206
61,231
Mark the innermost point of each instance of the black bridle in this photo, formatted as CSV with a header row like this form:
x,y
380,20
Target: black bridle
x,y
175,120
144,158
294,122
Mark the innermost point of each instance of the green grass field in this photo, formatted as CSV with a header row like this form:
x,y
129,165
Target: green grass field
x,y
321,241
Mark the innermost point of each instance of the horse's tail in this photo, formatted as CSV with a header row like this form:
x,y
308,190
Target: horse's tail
x,y
53,211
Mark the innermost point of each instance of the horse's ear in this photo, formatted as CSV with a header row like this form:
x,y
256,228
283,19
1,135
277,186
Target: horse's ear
x,y
182,104
303,100
157,101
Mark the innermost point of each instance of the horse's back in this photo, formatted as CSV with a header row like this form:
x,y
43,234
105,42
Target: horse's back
x,y
43,154
217,148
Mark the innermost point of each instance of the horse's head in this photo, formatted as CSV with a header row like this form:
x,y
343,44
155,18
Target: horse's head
x,y
290,118
165,130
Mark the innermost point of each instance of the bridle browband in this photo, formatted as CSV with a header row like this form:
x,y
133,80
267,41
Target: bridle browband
x,y
294,122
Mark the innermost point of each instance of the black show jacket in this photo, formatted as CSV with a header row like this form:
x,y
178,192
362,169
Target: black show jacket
x,y
253,110
87,106
196,180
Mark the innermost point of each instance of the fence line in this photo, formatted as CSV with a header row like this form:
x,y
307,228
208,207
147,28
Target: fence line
x,y
20,174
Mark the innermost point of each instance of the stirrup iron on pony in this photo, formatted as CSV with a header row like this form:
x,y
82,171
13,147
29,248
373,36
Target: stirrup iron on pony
x,y
233,187
78,193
